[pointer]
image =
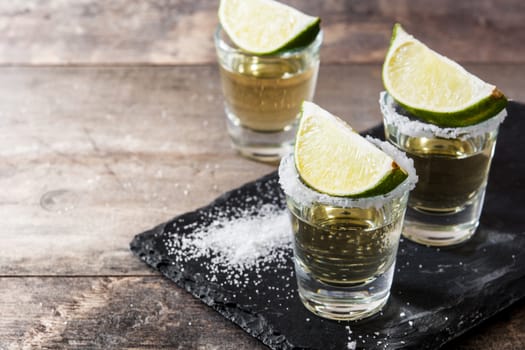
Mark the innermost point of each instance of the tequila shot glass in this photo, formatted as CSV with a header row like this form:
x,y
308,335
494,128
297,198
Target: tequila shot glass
x,y
345,249
453,167
263,95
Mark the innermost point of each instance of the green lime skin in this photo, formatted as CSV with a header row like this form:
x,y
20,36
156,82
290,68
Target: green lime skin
x,y
305,38
389,182
483,110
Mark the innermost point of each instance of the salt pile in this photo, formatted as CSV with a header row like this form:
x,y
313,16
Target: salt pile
x,y
236,247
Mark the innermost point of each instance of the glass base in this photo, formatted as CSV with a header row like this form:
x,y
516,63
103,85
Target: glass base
x,y
441,229
437,235
265,146
344,303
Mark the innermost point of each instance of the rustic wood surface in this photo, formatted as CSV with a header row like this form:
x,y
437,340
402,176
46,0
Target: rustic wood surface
x,y
180,31
111,122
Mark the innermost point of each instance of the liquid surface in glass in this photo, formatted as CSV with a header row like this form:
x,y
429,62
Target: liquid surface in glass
x,y
266,94
451,171
345,246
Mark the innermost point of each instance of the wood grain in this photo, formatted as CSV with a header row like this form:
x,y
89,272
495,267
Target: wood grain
x,y
152,313
90,156
180,31
111,122
110,313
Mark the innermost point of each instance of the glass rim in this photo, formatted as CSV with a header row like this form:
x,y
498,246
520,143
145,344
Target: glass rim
x,y
295,188
418,128
222,45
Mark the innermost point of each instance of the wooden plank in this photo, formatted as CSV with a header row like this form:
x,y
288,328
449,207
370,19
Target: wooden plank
x,y
152,313
110,313
91,156
180,31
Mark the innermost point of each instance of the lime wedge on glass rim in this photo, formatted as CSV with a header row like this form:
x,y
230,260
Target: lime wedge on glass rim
x,y
266,27
332,158
434,88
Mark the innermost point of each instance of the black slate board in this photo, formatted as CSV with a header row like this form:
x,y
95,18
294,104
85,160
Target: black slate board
x,y
437,293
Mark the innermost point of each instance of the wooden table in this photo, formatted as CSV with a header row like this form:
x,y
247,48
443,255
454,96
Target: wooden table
x,y
111,122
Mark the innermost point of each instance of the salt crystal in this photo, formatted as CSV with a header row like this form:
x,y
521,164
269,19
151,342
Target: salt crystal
x,y
415,128
240,242
233,246
351,344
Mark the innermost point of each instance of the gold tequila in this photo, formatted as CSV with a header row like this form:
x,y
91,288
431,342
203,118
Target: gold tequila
x,y
266,94
452,172
340,246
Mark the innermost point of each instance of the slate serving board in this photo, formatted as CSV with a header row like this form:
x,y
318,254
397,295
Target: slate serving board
x,y
437,293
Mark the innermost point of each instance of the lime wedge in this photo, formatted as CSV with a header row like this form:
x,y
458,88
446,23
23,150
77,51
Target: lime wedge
x,y
332,158
434,88
266,26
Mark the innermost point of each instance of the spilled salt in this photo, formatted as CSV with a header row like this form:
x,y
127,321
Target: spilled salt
x,y
235,247
241,242
351,344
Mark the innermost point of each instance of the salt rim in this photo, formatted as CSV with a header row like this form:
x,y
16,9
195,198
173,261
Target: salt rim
x,y
415,128
293,186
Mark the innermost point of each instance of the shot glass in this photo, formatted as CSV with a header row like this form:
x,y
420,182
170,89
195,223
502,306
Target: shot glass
x,y
345,249
263,95
453,167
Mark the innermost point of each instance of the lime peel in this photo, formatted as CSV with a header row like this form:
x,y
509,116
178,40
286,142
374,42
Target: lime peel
x,y
434,88
267,27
